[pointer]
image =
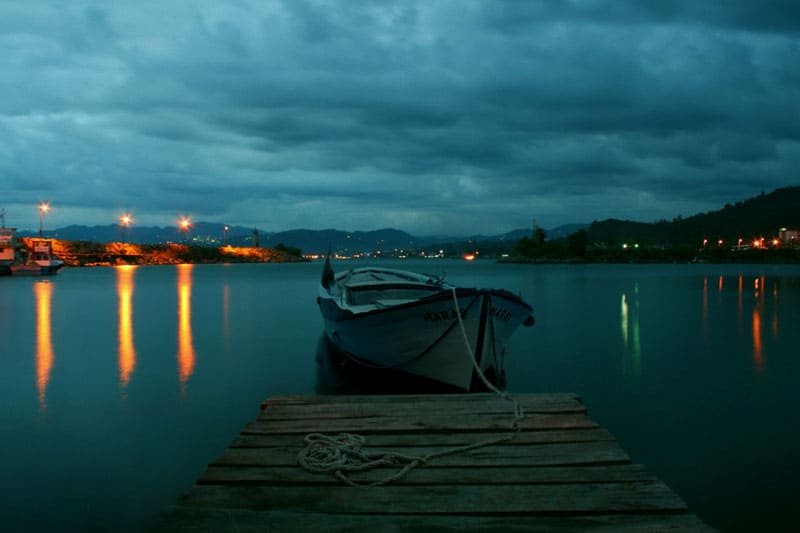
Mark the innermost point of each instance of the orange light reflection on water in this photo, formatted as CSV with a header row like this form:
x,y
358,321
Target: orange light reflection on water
x,y
758,351
186,355
44,344
126,358
226,306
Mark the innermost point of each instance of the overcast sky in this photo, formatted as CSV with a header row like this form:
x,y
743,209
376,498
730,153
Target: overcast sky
x,y
435,117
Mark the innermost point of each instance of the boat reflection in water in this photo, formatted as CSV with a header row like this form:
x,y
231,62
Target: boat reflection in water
x,y
44,345
186,355
126,357
336,374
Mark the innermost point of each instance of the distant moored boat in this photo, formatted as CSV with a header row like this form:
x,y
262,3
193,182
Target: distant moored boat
x,y
36,260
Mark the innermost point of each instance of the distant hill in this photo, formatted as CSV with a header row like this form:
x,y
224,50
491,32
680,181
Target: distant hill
x,y
761,216
309,241
345,242
513,236
204,231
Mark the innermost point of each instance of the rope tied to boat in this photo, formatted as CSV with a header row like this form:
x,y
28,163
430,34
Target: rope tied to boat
x,y
519,412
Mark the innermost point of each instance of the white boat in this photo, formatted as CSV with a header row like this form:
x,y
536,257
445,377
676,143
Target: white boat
x,y
38,260
419,324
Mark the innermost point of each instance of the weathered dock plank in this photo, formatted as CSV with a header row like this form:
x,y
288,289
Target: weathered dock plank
x,y
207,520
496,405
560,470
603,452
432,475
267,440
425,422
545,500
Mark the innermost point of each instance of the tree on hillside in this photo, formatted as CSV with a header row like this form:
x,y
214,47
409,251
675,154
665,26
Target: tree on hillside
x,y
539,237
576,243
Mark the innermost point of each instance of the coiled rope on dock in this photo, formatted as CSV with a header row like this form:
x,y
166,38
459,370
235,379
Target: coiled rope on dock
x,y
344,453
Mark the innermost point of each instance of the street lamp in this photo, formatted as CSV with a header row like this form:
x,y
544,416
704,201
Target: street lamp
x,y
225,235
124,221
44,207
184,224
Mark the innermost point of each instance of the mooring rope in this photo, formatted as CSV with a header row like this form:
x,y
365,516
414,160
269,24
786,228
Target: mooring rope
x,y
519,412
344,452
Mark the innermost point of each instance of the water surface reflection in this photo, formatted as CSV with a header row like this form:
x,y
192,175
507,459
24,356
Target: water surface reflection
x,y
226,311
126,357
186,354
43,291
629,324
762,319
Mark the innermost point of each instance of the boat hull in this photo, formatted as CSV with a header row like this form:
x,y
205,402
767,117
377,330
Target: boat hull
x,y
425,337
35,269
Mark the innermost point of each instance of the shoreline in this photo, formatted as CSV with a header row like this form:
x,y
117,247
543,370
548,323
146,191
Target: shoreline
x,y
90,254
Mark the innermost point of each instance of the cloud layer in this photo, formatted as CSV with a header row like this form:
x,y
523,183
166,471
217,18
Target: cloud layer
x,y
451,117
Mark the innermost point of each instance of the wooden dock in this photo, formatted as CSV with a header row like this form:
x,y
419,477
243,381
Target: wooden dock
x,y
559,471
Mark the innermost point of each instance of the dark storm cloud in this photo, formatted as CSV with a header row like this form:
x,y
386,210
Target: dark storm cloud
x,y
461,117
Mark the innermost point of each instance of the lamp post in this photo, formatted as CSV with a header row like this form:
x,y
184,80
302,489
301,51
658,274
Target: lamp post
x,y
184,224
224,235
44,207
124,221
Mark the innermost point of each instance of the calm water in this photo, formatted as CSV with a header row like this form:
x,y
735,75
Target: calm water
x,y
119,385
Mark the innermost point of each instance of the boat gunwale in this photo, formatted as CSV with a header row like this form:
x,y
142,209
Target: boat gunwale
x,y
347,312
407,275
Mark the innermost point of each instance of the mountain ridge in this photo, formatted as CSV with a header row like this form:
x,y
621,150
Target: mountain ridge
x,y
307,240
760,216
